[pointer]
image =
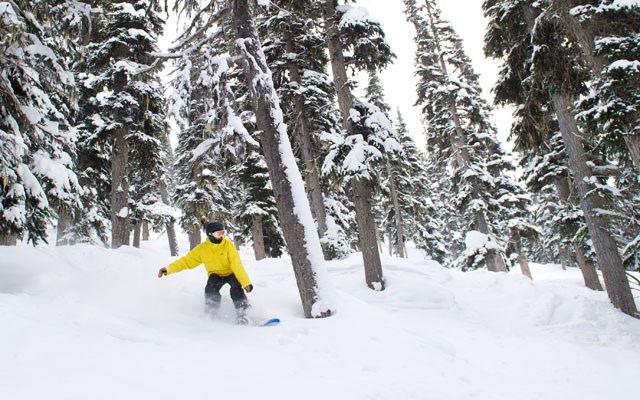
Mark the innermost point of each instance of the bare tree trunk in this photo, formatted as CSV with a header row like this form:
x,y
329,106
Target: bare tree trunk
x,y
362,192
361,187
524,263
396,207
302,240
633,144
587,268
495,262
8,240
171,226
565,258
172,238
589,273
137,234
307,151
65,220
606,248
258,237
522,257
120,230
380,241
145,230
194,237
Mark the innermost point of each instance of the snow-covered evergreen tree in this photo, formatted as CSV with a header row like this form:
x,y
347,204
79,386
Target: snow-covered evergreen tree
x,y
544,162
387,206
294,211
406,205
122,107
459,131
211,132
354,39
536,45
374,92
258,208
38,143
608,34
295,50
91,222
420,196
147,137
150,157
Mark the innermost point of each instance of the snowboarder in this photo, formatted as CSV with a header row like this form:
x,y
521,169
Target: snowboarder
x,y
222,262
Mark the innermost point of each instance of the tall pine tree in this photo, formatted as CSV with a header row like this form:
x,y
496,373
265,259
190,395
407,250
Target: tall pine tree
x,y
459,131
368,134
121,106
294,47
557,75
38,143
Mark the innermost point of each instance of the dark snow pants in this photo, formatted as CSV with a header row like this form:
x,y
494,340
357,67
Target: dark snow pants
x,y
212,292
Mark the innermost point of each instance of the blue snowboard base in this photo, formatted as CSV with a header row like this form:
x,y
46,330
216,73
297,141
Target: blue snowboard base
x,y
271,322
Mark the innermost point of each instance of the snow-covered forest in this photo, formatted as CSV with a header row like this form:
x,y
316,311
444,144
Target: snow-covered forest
x,y
441,268
272,137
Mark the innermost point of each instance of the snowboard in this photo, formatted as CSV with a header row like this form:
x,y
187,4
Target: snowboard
x,y
260,322
271,322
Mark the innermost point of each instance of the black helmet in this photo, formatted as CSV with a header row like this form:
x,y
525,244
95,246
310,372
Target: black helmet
x,y
211,228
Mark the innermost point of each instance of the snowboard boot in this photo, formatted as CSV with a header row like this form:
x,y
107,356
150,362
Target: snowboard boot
x,y
241,315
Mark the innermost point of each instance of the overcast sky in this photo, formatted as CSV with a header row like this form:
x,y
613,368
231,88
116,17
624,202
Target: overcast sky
x,y
398,79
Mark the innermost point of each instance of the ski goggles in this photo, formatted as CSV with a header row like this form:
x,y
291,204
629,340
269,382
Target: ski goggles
x,y
216,234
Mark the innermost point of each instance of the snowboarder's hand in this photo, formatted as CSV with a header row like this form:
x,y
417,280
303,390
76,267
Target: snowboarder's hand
x,y
248,288
162,272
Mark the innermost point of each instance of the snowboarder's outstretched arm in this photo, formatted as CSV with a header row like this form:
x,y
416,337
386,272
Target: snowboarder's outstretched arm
x,y
190,260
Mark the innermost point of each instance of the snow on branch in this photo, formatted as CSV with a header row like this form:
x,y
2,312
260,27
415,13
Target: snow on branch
x,y
354,16
615,5
477,245
357,156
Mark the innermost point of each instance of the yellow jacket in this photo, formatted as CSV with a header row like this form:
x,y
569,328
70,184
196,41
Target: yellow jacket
x,y
220,259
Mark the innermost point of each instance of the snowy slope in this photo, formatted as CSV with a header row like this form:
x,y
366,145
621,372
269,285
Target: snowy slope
x,y
85,322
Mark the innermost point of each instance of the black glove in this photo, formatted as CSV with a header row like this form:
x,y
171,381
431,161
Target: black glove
x,y
248,288
162,272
